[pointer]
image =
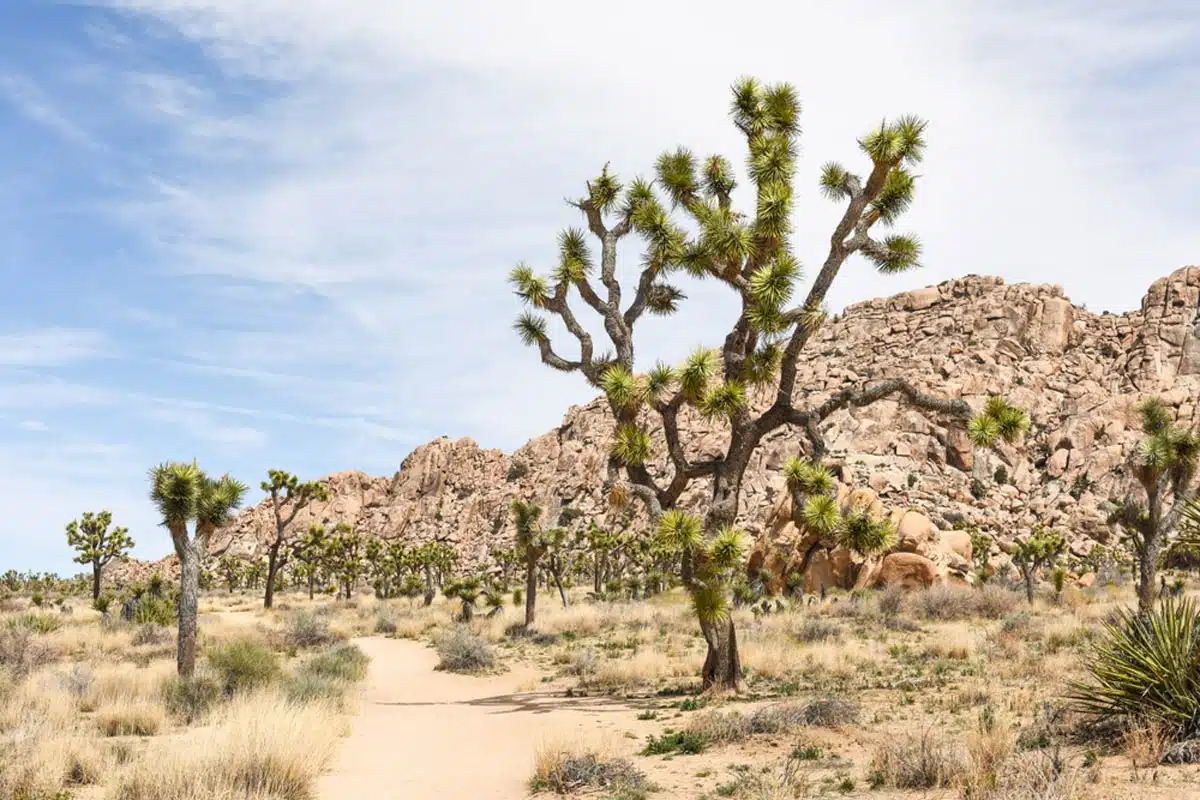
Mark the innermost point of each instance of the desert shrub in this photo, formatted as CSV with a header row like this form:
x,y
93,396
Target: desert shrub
x,y
995,602
385,621
1016,623
36,623
21,651
155,610
583,663
305,629
890,601
944,603
686,742
463,651
830,713
564,769
244,665
190,699
345,662
151,634
102,603
817,629
927,762
130,719
1144,670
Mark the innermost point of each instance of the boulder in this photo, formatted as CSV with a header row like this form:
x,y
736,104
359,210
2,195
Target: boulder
x,y
906,570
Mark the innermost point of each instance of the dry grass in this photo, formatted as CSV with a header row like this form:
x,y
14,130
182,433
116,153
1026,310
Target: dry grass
x,y
260,746
570,765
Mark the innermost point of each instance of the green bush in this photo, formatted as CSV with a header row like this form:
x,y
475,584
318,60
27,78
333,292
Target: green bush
x,y
102,603
1146,669
155,610
36,623
190,698
244,665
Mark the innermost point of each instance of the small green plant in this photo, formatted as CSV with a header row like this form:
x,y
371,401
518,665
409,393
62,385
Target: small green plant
x,y
1000,476
190,698
1058,578
685,742
978,490
1035,551
244,665
102,603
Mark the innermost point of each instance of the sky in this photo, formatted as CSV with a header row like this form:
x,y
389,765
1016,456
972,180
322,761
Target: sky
x,y
275,233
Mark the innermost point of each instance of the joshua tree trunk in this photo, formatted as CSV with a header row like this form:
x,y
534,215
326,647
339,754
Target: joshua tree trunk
x,y
1027,577
685,567
530,593
722,665
468,612
95,580
273,566
430,592
562,592
189,602
312,584
1148,552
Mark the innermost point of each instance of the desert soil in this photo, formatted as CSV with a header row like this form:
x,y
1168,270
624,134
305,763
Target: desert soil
x,y
422,733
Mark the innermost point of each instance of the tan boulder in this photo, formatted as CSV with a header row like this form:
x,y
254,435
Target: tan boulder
x,y
914,532
906,570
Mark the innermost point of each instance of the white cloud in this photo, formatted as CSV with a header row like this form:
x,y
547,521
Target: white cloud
x,y
27,98
50,347
33,425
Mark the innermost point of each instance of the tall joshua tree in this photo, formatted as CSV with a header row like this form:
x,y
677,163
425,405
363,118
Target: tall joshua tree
x,y
1165,468
97,544
752,256
288,496
185,495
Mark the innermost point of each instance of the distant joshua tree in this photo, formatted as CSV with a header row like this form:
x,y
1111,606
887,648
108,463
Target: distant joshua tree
x,y
288,497
97,543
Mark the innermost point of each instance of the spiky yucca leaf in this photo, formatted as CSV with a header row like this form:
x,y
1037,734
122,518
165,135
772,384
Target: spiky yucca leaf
x,y
663,299
772,284
530,287
623,389
896,196
573,251
762,366
983,431
899,254
724,400
1155,416
531,328
1146,669
727,549
677,175
696,372
835,181
718,176
709,602
804,476
680,532
781,108
631,445
605,190
821,514
658,380
861,532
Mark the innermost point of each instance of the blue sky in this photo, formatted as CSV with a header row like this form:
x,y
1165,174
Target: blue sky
x,y
274,233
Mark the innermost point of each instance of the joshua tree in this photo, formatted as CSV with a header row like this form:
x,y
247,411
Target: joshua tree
x,y
533,543
310,556
1030,553
288,496
466,591
185,495
433,558
96,544
1164,467
345,557
231,569
752,256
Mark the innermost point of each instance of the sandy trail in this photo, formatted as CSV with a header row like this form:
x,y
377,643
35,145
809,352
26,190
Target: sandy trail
x,y
425,734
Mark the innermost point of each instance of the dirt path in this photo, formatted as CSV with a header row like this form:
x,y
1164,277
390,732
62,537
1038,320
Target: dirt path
x,y
427,734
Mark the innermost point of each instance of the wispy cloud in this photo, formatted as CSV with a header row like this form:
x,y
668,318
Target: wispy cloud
x,y
50,347
28,98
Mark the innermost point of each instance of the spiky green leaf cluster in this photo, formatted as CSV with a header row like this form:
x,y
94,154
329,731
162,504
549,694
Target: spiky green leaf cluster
x,y
676,172
762,366
624,390
898,142
574,258
863,533
680,532
696,372
659,380
808,478
1145,669
604,191
724,400
900,253
1042,545
531,328
726,550
718,177
631,445
529,286
663,299
821,514
1000,421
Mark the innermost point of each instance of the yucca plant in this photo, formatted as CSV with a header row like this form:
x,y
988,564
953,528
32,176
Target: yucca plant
x,y
1145,669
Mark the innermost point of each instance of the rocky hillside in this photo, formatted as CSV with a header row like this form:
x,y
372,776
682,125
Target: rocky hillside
x,y
1079,374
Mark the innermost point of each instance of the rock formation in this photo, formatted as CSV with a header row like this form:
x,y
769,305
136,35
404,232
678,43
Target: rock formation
x,y
1078,374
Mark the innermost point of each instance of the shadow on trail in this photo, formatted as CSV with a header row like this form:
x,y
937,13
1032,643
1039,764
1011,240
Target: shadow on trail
x,y
538,703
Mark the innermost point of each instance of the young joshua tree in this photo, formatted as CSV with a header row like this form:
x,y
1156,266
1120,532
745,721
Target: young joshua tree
x,y
288,496
533,544
1033,552
185,495
751,254
1165,468
97,544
